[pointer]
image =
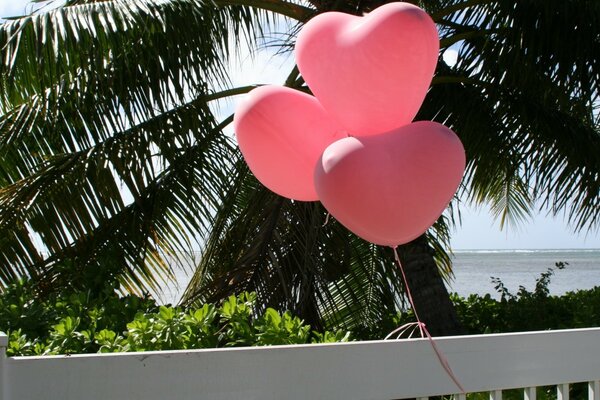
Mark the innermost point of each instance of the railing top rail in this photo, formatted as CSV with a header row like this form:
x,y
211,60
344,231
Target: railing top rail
x,y
298,347
359,370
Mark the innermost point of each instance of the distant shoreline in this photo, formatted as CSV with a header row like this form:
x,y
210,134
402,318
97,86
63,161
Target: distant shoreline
x,y
566,250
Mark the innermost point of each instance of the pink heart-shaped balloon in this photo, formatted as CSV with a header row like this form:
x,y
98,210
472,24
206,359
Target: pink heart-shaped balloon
x,y
282,133
390,188
371,73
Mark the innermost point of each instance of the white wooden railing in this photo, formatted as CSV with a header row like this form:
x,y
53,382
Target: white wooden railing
x,y
359,370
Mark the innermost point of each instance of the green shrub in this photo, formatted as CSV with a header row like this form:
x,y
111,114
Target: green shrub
x,y
25,308
524,311
76,323
529,311
102,321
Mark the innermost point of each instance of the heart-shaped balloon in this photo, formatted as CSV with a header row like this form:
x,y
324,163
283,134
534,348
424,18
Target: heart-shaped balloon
x,y
390,188
371,73
282,133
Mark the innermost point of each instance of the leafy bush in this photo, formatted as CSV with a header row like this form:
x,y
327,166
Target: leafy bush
x,y
101,321
529,311
524,311
24,307
79,323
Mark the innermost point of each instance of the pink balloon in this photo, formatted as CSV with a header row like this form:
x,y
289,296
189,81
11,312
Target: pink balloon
x,y
371,73
282,133
390,188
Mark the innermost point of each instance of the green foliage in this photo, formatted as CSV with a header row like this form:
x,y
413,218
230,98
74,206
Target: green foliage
x,y
25,307
79,323
529,311
524,311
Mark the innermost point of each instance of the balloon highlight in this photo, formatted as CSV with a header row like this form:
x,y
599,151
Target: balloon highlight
x,y
370,73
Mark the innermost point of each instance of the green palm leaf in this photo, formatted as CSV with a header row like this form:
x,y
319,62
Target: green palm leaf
x,y
88,138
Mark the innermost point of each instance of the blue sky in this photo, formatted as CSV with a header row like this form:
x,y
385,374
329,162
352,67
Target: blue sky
x,y
12,7
478,229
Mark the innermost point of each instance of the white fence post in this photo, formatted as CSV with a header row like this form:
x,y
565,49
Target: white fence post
x,y
562,391
3,382
530,393
594,390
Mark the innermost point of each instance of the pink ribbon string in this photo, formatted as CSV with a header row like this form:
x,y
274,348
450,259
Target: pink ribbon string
x,y
423,330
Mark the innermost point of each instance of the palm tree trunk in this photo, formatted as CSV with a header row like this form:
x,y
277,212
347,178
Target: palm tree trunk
x,y
429,292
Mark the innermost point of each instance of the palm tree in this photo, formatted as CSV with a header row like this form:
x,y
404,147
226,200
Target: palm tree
x,y
113,158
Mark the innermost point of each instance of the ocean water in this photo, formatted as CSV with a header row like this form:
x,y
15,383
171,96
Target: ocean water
x,y
473,270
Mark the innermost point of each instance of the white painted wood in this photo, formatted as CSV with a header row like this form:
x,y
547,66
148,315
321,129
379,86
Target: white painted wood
x,y
562,391
361,370
496,395
3,381
460,396
530,393
594,390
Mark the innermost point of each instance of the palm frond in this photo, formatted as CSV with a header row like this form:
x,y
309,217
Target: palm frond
x,y
283,251
523,104
88,138
132,45
76,209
